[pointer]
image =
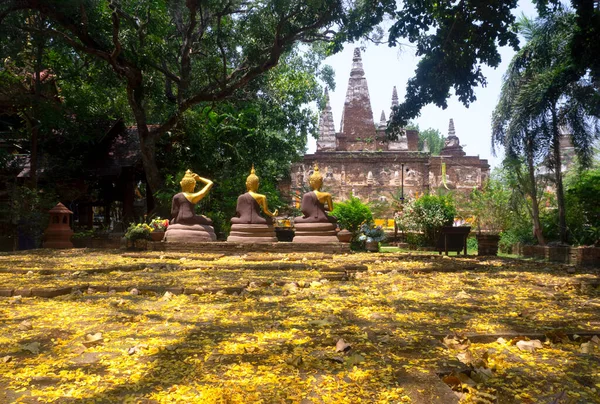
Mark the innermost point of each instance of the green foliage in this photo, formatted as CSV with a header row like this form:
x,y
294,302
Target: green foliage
x,y
138,231
27,212
351,214
427,214
583,209
472,244
435,139
545,93
490,207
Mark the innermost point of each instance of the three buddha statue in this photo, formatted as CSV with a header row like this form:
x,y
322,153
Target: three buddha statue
x,y
253,221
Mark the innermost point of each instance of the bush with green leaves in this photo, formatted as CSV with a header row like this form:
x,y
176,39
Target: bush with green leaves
x,y
427,214
583,209
139,231
351,214
490,207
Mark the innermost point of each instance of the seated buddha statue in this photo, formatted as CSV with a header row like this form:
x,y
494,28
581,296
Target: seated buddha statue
x,y
249,225
185,226
316,226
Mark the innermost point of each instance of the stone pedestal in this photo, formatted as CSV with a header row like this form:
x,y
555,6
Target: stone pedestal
x,y
252,233
196,233
316,233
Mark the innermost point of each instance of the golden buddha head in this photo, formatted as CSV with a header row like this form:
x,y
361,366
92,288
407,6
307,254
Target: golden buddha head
x,y
188,182
316,179
252,181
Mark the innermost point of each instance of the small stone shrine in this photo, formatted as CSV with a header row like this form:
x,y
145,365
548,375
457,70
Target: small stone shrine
x,y
316,226
185,226
248,225
58,233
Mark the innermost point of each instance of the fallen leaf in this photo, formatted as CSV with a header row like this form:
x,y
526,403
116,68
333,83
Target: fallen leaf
x,y
463,295
354,359
456,342
25,325
529,346
342,346
6,359
294,361
465,357
33,347
452,381
93,339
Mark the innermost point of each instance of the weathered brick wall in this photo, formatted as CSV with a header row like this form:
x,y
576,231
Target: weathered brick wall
x,y
584,256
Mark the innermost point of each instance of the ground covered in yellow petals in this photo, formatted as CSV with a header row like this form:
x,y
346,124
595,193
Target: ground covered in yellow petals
x,y
291,328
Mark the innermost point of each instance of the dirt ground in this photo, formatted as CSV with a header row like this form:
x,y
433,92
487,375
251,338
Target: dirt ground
x,y
156,327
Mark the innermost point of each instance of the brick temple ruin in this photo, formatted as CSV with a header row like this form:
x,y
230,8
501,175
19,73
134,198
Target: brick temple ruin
x,y
360,160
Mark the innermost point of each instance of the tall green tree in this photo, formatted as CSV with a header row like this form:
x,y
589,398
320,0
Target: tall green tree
x,y
171,56
545,95
584,45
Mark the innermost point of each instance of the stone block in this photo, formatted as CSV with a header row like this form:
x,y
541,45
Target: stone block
x,y
5,292
50,292
25,292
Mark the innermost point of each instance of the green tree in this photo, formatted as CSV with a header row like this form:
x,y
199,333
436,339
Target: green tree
x,y
435,139
427,214
171,56
583,213
584,45
351,214
548,92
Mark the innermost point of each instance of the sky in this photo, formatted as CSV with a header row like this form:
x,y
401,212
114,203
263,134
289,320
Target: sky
x,y
387,67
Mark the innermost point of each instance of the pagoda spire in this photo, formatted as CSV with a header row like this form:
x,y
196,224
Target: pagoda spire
x,y
357,116
326,140
382,120
394,98
451,131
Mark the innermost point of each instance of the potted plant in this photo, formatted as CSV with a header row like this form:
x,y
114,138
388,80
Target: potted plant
x,y
350,215
490,207
136,233
158,227
372,236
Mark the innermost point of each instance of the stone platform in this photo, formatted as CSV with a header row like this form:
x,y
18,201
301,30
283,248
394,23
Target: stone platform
x,y
252,233
229,248
197,233
316,233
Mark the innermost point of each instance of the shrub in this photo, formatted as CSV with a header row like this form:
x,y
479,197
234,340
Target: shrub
x,y
491,207
352,214
427,214
139,231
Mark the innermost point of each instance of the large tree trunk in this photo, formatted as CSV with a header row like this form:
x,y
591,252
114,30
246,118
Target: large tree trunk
x,y
560,195
135,95
535,208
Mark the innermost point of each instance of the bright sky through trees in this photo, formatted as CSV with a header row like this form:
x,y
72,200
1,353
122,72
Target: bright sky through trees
x,y
387,67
